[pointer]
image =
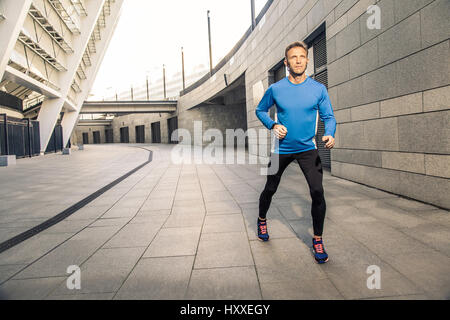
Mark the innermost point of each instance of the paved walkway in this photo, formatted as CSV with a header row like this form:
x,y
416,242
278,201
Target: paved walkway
x,y
188,231
40,187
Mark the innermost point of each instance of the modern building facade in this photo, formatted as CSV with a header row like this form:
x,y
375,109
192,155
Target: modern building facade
x,y
50,53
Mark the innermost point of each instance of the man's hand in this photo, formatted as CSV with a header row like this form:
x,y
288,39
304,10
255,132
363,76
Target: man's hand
x,y
330,143
280,131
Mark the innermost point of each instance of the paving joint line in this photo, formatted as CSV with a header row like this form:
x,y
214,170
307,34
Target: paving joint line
x,y
146,247
246,231
200,235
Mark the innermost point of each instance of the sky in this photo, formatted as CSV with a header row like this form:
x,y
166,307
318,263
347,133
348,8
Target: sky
x,y
150,33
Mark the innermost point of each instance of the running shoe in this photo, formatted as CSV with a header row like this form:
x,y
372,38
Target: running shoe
x,y
320,254
263,235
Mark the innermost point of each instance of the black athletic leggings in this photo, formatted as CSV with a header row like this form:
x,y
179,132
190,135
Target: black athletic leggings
x,y
311,166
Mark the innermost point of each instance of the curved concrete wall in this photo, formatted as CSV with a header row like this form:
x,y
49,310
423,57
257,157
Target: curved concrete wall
x,y
392,127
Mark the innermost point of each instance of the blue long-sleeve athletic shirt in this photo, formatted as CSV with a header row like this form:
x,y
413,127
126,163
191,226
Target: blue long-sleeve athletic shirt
x,y
298,108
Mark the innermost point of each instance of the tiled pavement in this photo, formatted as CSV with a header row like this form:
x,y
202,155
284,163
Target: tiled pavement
x,y
188,231
40,187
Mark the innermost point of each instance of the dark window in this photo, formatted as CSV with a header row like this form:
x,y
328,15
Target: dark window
x,y
276,74
318,57
140,134
96,135
156,132
85,138
109,138
172,124
124,135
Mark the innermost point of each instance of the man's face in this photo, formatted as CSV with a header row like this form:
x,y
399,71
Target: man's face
x,y
297,61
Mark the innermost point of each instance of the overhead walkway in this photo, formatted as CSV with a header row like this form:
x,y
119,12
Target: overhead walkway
x,y
121,107
94,122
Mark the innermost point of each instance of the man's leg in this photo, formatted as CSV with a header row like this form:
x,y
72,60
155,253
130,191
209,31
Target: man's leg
x,y
273,180
311,166
277,165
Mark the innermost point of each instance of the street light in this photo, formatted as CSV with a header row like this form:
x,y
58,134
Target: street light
x,y
252,4
164,80
147,72
210,50
148,95
182,66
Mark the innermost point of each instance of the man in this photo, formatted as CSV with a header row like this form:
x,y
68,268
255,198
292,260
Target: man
x,y
299,101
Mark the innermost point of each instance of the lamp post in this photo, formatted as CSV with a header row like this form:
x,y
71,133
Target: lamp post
x,y
148,94
182,66
252,4
164,80
210,50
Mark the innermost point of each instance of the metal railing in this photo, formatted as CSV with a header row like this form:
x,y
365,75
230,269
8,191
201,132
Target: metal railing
x,y
26,40
65,16
48,27
79,7
31,103
19,137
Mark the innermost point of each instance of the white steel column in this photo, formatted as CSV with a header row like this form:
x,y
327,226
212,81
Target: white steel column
x,y
15,12
70,118
51,108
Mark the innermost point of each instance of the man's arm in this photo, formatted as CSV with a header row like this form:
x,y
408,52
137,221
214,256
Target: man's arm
x,y
263,108
326,114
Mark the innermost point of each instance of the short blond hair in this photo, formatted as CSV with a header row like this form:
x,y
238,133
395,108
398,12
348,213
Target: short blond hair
x,y
300,44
